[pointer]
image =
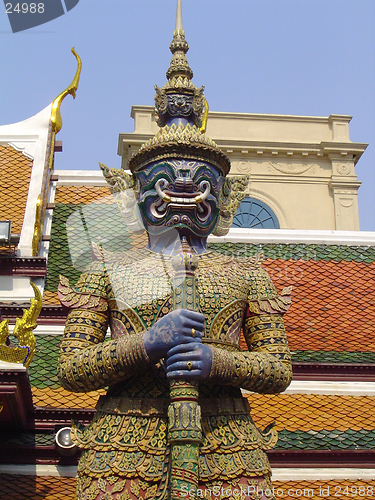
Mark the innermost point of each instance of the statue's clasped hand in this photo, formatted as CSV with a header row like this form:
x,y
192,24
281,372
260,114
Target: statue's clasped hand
x,y
178,338
189,361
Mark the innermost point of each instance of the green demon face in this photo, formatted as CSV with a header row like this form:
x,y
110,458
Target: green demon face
x,y
179,194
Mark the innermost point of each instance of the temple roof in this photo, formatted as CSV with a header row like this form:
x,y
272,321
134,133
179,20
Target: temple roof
x,y
15,179
332,284
330,328
62,488
332,294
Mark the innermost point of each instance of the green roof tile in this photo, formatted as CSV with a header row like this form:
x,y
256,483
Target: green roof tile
x,y
301,251
326,440
74,228
42,371
29,439
333,357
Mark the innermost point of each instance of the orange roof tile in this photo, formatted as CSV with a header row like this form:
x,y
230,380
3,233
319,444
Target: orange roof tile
x,y
14,186
18,487
83,194
303,412
60,398
50,298
306,412
333,304
329,490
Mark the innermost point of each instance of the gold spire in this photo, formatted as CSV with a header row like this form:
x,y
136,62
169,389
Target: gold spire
x,y
179,65
71,89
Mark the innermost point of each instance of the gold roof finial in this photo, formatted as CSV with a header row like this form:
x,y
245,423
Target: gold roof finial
x,y
71,89
179,65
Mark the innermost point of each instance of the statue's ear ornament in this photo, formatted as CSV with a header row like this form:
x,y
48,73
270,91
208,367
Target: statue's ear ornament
x,y
119,180
123,188
233,191
161,105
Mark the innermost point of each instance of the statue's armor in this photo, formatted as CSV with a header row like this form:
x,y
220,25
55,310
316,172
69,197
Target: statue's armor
x,y
130,292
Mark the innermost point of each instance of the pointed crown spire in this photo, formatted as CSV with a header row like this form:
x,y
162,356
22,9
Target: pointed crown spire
x,y
179,87
179,106
179,65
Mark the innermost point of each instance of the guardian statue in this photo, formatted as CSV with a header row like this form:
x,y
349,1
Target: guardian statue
x,y
173,423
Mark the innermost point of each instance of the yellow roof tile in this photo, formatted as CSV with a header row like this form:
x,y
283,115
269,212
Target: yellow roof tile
x,y
306,412
60,398
83,194
50,298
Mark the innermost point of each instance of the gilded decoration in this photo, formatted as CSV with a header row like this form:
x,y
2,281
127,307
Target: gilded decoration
x,y
56,125
71,89
23,332
38,228
183,141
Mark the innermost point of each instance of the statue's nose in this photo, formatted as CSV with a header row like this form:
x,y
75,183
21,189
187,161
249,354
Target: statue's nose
x,y
183,184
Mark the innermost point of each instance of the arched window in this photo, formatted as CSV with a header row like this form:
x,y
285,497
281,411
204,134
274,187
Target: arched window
x,y
255,214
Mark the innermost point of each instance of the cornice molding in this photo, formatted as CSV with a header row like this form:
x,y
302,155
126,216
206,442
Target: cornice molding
x,y
256,116
33,267
87,178
295,236
356,459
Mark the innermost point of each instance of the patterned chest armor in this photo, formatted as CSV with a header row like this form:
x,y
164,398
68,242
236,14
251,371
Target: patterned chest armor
x,y
128,435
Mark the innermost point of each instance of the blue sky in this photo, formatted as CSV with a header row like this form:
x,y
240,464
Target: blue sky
x,y
295,57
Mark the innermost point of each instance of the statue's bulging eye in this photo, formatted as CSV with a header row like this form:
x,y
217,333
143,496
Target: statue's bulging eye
x,y
203,185
161,183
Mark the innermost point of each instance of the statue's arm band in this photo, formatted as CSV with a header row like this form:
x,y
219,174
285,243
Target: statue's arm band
x,y
87,363
266,368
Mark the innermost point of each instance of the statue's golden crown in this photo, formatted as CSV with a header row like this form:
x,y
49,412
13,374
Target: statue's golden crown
x,y
182,112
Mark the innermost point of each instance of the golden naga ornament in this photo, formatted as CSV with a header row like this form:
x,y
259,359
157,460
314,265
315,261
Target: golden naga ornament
x,y
23,332
56,122
205,117
71,89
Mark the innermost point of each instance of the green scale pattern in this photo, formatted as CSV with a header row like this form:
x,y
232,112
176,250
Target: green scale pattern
x,y
42,371
326,440
74,229
288,440
333,357
337,253
30,439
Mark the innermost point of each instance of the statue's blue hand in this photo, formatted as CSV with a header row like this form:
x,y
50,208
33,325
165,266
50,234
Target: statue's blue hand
x,y
173,329
190,361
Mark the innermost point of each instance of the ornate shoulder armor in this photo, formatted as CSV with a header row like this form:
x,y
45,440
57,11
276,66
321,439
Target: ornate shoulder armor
x,y
263,297
86,362
90,292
